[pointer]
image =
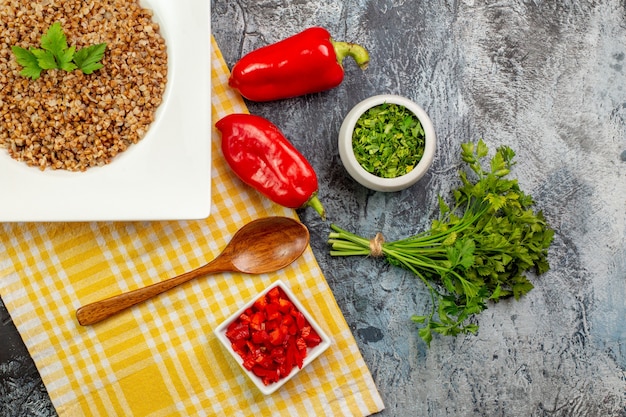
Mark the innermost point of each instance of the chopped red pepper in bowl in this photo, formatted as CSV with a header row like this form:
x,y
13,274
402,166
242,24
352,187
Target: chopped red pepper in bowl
x,y
272,337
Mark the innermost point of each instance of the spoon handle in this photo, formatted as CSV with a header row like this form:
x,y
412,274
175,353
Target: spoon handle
x,y
100,310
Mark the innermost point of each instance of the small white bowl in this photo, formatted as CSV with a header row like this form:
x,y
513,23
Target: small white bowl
x,y
372,181
312,353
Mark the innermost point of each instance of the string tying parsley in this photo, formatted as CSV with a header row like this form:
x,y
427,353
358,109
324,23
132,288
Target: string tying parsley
x,y
376,245
55,54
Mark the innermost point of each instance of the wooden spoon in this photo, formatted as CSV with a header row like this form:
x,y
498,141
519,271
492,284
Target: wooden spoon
x,y
261,246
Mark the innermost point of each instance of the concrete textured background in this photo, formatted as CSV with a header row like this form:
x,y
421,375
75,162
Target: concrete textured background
x,y
544,77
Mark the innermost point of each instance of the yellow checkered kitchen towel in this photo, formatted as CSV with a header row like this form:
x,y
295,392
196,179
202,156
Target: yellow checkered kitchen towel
x,y
161,358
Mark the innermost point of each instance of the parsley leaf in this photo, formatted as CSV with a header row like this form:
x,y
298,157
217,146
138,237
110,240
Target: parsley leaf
x,y
45,59
55,54
88,59
28,61
54,40
64,59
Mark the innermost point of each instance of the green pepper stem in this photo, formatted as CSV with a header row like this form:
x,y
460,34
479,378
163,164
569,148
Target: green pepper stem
x,y
359,53
317,205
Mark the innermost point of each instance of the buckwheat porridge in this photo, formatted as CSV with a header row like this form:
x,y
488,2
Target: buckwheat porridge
x,y
70,120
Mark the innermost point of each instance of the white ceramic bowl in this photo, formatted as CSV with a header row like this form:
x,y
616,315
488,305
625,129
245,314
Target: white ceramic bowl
x,y
372,181
312,353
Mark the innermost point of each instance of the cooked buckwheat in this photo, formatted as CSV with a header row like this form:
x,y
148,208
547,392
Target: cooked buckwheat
x,y
69,120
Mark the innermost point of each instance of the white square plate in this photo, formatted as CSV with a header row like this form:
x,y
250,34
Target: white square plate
x,y
167,175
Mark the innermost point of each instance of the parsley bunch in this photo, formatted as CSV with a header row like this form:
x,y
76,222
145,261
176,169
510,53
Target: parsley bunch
x,y
479,249
55,54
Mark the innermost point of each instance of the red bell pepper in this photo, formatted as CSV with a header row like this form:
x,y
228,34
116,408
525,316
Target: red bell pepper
x,y
261,156
308,62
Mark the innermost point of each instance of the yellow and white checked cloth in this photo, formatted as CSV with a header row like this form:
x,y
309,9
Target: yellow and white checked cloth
x,y
161,358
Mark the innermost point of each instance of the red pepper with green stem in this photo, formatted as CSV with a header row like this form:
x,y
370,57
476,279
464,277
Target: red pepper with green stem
x,y
260,155
308,62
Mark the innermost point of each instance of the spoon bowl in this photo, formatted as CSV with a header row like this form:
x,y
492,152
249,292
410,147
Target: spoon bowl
x,y
277,242
261,246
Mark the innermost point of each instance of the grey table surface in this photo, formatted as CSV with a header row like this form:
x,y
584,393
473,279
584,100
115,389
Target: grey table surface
x,y
544,77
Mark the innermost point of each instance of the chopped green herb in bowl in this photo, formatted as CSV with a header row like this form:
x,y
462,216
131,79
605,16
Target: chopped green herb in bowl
x,y
388,140
387,143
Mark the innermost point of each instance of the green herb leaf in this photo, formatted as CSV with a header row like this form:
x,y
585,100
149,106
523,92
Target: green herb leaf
x,y
481,149
45,59
54,39
426,334
88,59
28,61
55,54
65,60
